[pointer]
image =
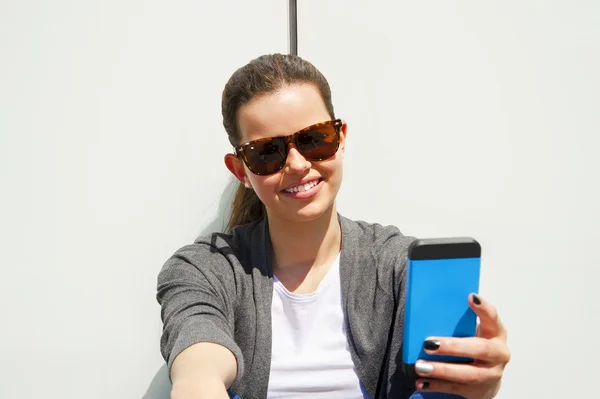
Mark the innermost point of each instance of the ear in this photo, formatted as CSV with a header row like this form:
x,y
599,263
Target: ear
x,y
236,167
343,132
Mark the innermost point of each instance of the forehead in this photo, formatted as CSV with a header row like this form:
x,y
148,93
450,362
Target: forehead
x,y
281,113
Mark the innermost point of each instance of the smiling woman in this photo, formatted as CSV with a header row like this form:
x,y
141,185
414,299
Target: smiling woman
x,y
297,300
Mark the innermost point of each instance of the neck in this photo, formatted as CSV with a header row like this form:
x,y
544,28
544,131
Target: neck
x,y
304,245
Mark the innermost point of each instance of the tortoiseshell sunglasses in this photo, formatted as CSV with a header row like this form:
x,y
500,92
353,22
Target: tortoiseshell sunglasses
x,y
266,156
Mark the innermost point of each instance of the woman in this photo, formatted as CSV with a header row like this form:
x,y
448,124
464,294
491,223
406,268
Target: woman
x,y
296,300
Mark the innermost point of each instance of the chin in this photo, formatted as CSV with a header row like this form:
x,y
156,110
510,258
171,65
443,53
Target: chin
x,y
308,213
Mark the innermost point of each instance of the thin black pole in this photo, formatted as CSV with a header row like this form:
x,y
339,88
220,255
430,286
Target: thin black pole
x,y
293,11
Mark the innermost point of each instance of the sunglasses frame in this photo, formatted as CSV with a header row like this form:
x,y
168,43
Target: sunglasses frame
x,y
336,123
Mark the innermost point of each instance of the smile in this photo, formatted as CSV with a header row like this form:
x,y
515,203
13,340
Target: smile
x,y
302,187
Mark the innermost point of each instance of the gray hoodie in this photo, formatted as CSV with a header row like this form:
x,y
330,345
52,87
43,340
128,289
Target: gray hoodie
x,y
220,289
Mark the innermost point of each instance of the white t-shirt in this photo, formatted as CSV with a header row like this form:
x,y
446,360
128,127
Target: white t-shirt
x,y
310,354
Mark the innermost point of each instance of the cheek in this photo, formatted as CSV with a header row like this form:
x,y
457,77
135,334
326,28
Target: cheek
x,y
333,168
264,186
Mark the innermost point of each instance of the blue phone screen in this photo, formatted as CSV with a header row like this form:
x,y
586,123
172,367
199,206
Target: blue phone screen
x,y
437,304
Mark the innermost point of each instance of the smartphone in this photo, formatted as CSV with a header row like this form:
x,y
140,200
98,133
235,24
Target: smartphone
x,y
442,272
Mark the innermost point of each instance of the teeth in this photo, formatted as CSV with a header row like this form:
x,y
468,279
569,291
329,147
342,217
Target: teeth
x,y
304,187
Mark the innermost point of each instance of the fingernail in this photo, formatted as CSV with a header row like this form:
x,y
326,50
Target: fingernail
x,y
423,367
476,299
431,345
425,385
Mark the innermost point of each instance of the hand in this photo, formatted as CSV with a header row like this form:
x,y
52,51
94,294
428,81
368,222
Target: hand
x,y
478,380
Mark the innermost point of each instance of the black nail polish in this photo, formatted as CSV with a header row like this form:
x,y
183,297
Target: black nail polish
x,y
476,299
425,385
431,345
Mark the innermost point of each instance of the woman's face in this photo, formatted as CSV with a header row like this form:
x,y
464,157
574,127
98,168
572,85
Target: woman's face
x,y
284,112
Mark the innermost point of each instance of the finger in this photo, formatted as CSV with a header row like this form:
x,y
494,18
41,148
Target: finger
x,y
462,373
427,385
485,350
490,324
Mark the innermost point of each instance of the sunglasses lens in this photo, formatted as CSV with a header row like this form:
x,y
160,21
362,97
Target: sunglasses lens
x,y
319,143
266,157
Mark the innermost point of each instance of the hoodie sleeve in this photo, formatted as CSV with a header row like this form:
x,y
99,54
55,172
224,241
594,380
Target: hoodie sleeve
x,y
197,292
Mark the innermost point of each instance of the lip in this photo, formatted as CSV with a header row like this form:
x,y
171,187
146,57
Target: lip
x,y
305,194
302,182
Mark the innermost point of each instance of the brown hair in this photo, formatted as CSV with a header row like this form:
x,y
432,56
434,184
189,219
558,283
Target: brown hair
x,y
263,75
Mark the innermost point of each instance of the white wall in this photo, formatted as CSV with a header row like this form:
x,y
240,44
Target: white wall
x,y
110,133
476,118
482,118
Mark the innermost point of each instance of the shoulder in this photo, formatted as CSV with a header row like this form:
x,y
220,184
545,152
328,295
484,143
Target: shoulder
x,y
375,256
377,237
378,250
216,253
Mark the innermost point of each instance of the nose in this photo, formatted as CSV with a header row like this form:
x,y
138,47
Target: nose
x,y
296,163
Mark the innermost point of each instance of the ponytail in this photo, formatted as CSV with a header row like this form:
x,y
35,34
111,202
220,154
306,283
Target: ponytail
x,y
245,208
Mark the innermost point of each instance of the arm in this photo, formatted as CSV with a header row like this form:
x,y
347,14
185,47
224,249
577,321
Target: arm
x,y
204,370
197,293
